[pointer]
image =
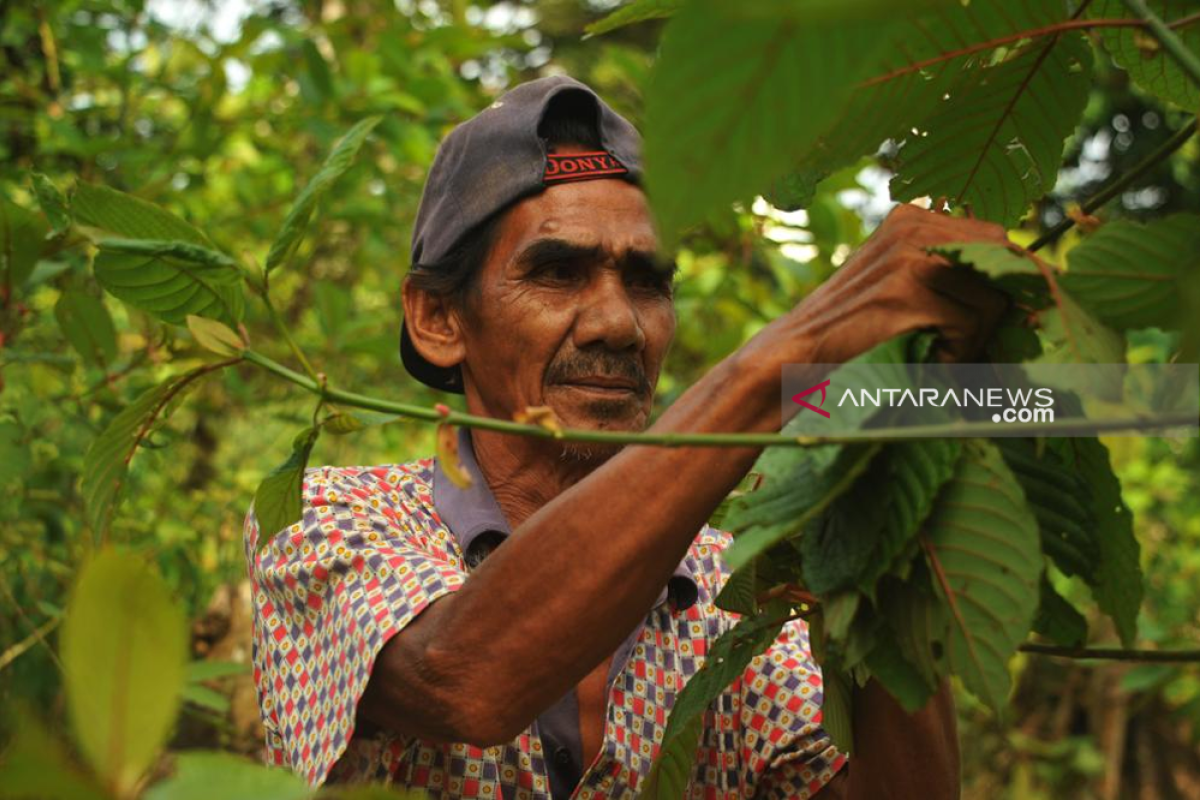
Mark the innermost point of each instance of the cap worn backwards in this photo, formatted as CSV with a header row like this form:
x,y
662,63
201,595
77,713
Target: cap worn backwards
x,y
496,158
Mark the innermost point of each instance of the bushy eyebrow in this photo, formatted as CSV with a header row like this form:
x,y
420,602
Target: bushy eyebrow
x,y
557,251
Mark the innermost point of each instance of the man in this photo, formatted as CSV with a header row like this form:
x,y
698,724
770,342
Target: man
x,y
526,636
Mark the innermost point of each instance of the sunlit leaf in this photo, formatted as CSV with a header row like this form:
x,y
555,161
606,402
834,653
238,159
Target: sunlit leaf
x,y
212,335
130,217
171,279
637,11
204,776
124,646
36,765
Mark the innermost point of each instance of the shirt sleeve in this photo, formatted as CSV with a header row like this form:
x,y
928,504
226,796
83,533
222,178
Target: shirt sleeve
x,y
329,592
784,746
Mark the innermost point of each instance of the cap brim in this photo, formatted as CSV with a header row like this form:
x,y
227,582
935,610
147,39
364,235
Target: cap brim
x,y
435,377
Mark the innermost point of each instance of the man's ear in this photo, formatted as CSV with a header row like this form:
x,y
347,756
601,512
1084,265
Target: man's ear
x,y
434,325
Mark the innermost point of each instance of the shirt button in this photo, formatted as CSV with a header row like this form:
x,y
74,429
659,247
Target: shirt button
x,y
562,757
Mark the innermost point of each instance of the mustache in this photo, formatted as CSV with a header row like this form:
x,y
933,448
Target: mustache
x,y
582,364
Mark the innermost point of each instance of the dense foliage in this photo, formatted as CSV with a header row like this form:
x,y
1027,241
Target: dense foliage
x,y
182,214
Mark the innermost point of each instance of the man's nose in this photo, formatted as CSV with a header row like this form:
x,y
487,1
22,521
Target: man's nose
x,y
608,315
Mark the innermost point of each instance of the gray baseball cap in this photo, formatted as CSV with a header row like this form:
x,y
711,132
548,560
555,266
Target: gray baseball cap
x,y
495,159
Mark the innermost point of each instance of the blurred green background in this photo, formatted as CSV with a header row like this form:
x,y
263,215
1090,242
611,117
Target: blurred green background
x,y
222,109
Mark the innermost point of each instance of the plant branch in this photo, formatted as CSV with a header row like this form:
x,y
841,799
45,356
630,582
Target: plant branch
x,y
981,429
1188,61
284,331
1093,203
1113,653
1032,33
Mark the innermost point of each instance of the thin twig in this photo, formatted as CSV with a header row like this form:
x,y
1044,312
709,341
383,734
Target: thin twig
x,y
37,637
1113,654
1188,61
1177,140
980,429
286,333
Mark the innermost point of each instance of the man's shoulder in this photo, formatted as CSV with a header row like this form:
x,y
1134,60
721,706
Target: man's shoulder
x,y
407,483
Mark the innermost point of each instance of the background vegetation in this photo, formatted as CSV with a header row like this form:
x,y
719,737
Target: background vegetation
x,y
224,111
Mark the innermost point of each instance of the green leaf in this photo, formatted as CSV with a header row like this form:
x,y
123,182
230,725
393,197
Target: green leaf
x,y
1119,587
728,657
872,526
995,142
902,680
278,502
53,203
297,220
198,671
1058,620
981,543
918,626
85,322
837,709
717,127
1127,274
204,776
739,592
1070,335
1148,65
107,461
344,422
171,279
206,698
36,765
637,11
212,335
129,216
22,240
124,646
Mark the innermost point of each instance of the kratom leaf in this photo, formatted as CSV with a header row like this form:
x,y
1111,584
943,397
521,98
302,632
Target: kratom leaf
x,y
637,11
124,646
837,709
199,671
1118,587
278,502
739,592
343,422
981,543
212,335
728,657
1127,274
902,679
22,241
868,528
171,279
995,142
340,159
107,461
1058,620
85,322
936,47
1148,65
206,698
53,203
203,776
919,624
130,217
716,130
1070,335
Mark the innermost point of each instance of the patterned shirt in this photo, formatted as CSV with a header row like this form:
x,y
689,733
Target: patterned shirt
x,y
372,551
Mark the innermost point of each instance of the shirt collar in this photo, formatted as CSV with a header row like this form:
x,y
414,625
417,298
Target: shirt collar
x,y
471,512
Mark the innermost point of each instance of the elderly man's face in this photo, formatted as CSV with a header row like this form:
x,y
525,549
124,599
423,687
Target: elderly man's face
x,y
571,311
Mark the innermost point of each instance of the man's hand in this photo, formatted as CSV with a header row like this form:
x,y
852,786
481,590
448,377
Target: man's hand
x,y
891,286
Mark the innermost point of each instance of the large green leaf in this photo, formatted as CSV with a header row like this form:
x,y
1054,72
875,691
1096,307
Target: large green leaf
x,y
995,142
741,89
171,279
837,708
981,543
867,529
277,502
936,44
1127,274
129,216
727,659
1118,587
87,325
637,11
203,776
1058,620
1151,67
124,647
1070,335
107,461
339,161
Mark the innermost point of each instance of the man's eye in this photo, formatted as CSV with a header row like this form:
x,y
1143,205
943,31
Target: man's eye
x,y
558,271
651,279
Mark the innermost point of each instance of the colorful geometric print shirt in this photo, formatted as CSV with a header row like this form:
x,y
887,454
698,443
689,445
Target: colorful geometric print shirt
x,y
371,552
